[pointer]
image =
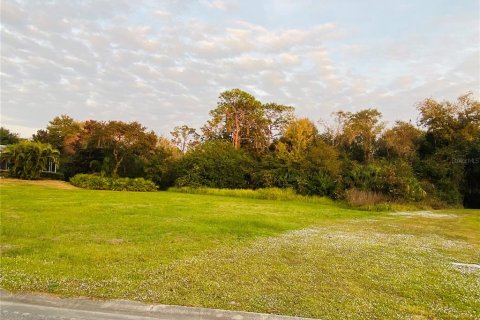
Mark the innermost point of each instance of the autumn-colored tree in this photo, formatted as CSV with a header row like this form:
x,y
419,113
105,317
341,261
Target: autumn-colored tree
x,y
361,130
401,140
298,137
449,122
60,129
311,165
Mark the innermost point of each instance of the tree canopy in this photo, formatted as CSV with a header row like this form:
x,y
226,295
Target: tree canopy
x,y
247,143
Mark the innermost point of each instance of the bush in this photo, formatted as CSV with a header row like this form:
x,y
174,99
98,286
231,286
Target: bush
x,y
395,179
52,175
97,182
315,182
445,175
215,164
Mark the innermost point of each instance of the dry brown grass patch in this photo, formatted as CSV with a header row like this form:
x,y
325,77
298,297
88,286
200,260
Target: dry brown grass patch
x,y
42,183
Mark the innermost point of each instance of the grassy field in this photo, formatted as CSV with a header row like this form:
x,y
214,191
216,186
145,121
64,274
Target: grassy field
x,y
287,257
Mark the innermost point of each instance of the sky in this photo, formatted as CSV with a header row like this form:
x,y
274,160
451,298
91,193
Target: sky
x,y
164,63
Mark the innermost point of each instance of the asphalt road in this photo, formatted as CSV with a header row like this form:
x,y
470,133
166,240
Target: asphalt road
x,y
21,311
43,307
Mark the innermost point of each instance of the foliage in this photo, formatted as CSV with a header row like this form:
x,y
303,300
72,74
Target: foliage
x,y
28,159
448,153
250,144
393,179
360,132
215,164
160,166
298,137
401,141
276,118
98,182
8,137
237,117
471,187
445,175
309,164
245,121
126,139
62,133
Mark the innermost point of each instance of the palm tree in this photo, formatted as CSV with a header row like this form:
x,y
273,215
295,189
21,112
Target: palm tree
x,y
28,159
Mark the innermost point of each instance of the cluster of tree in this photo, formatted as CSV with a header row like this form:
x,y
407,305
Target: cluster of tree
x,y
249,144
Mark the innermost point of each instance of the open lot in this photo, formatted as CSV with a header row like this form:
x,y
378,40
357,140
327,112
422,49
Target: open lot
x,y
286,257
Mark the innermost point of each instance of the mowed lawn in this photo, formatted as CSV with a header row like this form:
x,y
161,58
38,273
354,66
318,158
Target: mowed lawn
x,y
295,258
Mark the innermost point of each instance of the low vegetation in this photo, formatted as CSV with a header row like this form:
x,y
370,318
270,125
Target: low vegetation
x,y
265,194
97,182
293,257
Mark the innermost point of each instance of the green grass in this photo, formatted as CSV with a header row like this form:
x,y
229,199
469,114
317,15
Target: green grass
x,y
311,259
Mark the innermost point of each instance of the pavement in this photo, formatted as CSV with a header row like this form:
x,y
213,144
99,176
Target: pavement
x,y
44,307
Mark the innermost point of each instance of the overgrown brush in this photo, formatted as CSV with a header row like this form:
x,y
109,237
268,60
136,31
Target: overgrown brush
x,y
265,194
374,201
355,197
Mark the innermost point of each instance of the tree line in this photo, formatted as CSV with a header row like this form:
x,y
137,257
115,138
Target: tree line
x,y
250,144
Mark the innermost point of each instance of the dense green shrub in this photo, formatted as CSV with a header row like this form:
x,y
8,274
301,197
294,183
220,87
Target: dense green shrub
x,y
445,174
90,181
98,182
395,179
314,182
215,164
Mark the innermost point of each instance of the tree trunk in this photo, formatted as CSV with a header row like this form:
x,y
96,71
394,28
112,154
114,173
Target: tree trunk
x,y
236,134
118,162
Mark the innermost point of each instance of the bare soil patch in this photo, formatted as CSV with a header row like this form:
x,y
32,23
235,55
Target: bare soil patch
x,y
425,214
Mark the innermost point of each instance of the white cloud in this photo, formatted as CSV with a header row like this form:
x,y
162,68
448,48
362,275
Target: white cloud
x,y
222,5
166,64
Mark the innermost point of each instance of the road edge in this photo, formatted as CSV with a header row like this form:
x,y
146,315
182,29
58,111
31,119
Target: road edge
x,y
161,311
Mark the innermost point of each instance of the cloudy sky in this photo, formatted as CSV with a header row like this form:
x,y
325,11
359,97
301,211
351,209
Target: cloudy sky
x,y
164,63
